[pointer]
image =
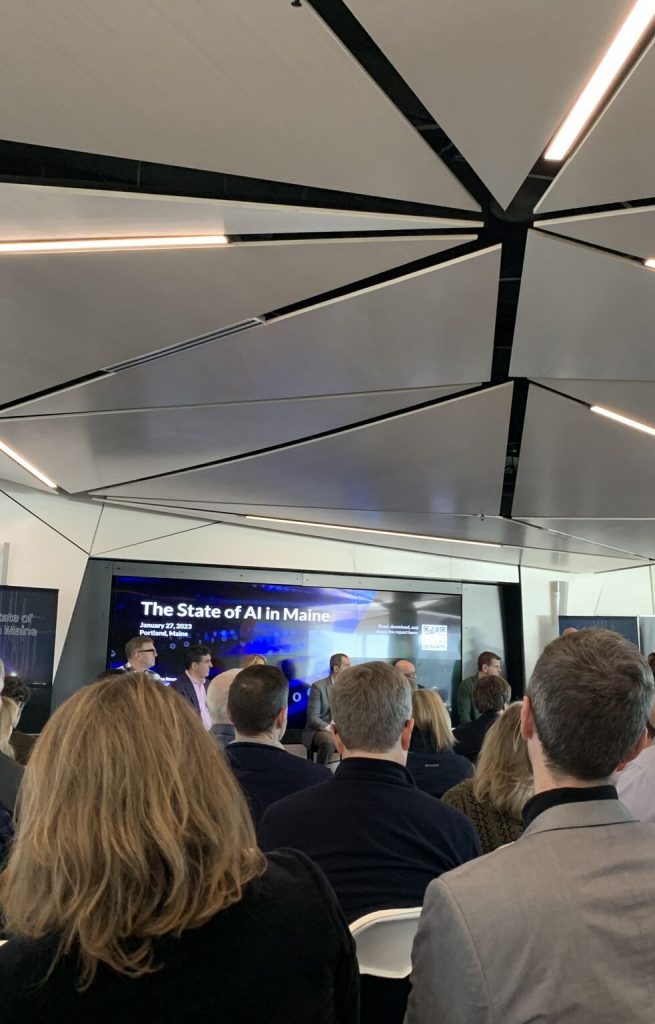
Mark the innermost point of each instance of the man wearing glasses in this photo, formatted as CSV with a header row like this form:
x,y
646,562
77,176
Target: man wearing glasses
x,y
141,654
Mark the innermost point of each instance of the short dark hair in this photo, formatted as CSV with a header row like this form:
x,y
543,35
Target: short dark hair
x,y
256,697
491,693
335,661
17,690
486,658
590,692
195,653
133,645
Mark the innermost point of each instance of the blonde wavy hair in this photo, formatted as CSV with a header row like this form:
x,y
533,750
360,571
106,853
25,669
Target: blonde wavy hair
x,y
503,775
432,719
9,715
131,827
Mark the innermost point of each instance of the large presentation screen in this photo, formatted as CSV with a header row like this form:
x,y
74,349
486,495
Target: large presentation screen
x,y
297,628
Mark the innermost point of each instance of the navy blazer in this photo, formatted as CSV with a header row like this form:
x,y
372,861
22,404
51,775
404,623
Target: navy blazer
x,y
184,687
470,736
266,773
377,837
435,771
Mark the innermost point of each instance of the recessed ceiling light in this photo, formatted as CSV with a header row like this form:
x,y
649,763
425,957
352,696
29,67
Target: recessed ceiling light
x,y
650,264
113,244
625,420
379,533
27,465
621,48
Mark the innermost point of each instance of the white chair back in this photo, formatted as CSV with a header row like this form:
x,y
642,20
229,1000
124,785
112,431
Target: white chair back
x,y
384,941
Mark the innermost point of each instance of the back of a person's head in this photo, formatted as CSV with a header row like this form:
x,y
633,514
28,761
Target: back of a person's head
x,y
590,692
9,715
431,718
503,775
17,689
370,705
256,697
131,827
491,693
253,659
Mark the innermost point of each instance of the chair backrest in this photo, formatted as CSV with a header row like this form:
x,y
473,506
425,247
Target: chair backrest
x,y
297,749
384,941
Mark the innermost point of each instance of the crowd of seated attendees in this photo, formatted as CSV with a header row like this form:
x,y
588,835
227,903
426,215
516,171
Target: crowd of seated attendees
x,y
186,871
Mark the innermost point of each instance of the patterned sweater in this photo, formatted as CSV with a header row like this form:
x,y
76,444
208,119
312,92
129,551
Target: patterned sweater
x,y
495,828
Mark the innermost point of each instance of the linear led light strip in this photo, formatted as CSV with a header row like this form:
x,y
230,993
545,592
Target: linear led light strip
x,y
113,244
625,420
27,465
379,533
622,46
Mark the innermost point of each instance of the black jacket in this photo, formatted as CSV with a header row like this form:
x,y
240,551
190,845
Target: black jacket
x,y
470,736
267,773
433,771
255,961
378,838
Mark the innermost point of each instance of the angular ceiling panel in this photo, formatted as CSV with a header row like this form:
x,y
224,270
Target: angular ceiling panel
x,y
76,520
497,77
422,460
583,314
636,535
67,315
575,464
44,212
119,527
630,231
87,452
615,162
418,331
634,398
250,87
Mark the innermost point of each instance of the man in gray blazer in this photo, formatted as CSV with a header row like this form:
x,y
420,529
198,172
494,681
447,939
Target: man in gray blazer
x,y
558,927
318,736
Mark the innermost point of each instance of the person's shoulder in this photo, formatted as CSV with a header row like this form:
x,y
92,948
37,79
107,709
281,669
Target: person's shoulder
x,y
291,876
180,682
305,768
23,963
299,805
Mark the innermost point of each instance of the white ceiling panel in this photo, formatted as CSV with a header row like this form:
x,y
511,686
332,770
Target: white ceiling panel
x,y
66,315
120,527
75,519
11,471
423,461
421,330
637,535
33,212
250,87
575,464
497,77
583,314
616,162
635,398
630,231
87,452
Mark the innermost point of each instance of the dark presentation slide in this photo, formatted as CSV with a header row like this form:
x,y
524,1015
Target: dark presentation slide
x,y
28,619
296,628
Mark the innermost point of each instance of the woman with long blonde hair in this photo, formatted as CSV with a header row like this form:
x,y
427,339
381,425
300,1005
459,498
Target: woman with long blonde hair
x,y
135,890
432,760
9,715
494,798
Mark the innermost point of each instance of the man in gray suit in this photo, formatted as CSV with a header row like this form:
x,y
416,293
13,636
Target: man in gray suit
x,y
318,736
558,927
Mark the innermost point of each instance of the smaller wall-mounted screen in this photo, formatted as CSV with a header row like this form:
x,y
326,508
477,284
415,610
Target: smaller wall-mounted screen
x,y
28,620
626,625
297,628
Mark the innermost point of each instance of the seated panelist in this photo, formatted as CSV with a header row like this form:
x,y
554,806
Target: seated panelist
x,y
318,736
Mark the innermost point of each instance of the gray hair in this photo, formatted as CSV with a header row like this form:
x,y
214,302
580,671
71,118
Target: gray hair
x,y
591,692
370,705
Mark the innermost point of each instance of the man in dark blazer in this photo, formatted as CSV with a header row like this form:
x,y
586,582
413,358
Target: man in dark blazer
x,y
192,684
318,735
491,695
377,837
257,704
559,926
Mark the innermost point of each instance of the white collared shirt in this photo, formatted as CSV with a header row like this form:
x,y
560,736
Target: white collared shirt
x,y
636,785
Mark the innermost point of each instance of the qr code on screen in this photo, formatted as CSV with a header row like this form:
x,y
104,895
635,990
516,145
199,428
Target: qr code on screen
x,y
434,638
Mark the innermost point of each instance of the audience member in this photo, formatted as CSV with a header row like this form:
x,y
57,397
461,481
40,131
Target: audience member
x,y
9,715
222,730
141,655
192,684
464,709
432,761
253,659
408,669
258,705
378,838
495,798
558,927
491,695
636,783
318,736
136,882
21,742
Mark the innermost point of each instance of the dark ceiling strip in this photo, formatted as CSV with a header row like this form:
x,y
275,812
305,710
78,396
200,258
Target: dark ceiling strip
x,y
296,442
578,212
560,394
559,237
54,390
